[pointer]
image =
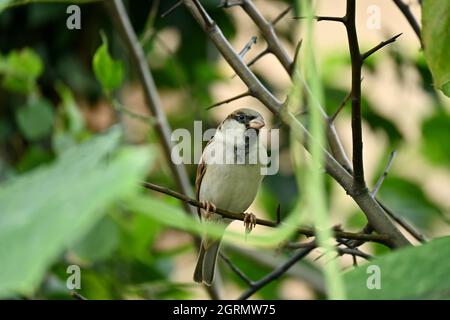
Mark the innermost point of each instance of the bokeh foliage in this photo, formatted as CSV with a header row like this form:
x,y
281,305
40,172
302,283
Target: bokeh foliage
x,y
69,194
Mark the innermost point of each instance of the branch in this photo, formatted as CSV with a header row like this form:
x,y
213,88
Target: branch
x,y
405,224
172,8
385,173
278,272
359,185
267,30
404,8
339,109
353,252
322,18
308,274
77,296
281,15
247,46
382,44
239,96
309,232
236,270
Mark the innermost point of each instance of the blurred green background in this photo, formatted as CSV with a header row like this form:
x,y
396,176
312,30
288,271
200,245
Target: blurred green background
x,y
59,207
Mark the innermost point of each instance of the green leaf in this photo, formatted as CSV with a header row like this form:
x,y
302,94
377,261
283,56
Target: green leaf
x,y
100,242
108,72
35,120
49,209
436,41
435,134
410,273
21,70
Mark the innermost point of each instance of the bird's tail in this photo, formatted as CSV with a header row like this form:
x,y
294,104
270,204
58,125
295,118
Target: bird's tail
x,y
206,263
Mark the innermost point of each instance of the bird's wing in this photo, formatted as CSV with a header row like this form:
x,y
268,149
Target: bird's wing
x,y
201,169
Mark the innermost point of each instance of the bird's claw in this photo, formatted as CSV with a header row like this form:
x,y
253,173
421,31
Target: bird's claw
x,y
208,206
249,222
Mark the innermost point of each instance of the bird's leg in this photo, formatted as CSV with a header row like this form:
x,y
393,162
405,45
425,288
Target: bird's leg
x,y
249,222
208,206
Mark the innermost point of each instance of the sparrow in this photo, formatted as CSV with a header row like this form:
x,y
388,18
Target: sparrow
x,y
228,177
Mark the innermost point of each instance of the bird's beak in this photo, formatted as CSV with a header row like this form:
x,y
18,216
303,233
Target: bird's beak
x,y
256,124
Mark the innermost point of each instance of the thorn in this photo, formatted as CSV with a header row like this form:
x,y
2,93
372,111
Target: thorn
x,y
239,96
322,18
247,47
281,15
382,44
206,19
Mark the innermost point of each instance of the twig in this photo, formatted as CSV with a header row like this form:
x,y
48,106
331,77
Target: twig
x,y
236,270
77,296
354,252
297,53
405,224
267,29
255,59
322,18
239,96
380,238
385,173
306,273
382,44
339,109
278,214
172,8
281,15
278,272
247,47
359,184
404,8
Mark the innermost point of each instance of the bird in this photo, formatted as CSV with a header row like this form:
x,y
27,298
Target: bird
x,y
228,177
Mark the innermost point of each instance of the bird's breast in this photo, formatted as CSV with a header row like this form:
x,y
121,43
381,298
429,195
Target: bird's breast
x,y
231,187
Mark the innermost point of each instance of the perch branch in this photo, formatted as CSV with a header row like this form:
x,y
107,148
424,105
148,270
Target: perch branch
x,y
309,232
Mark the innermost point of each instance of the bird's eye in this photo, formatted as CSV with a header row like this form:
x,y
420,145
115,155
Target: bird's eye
x,y
241,117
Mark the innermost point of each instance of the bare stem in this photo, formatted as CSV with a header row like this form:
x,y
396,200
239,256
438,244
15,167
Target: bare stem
x,y
404,8
278,272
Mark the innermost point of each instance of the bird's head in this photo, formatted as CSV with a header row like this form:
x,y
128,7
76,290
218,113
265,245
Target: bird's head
x,y
245,119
